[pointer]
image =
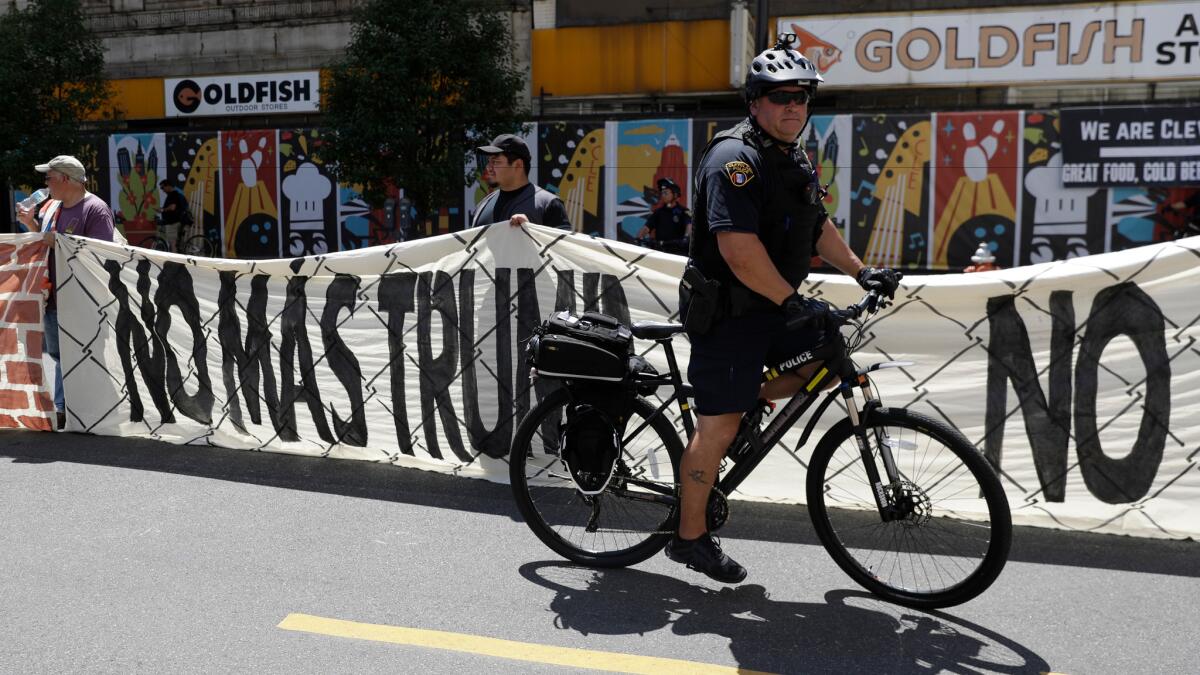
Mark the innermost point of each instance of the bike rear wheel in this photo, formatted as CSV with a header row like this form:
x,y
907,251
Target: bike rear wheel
x,y
631,520
953,539
198,245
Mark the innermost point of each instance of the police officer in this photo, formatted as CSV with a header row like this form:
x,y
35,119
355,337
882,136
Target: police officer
x,y
670,224
517,200
758,221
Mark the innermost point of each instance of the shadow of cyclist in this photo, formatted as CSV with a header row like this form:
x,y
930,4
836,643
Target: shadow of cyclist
x,y
776,635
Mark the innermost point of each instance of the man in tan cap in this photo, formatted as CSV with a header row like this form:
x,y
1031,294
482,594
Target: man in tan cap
x,y
66,165
71,209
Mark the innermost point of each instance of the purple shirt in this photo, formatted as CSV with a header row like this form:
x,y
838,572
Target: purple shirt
x,y
92,218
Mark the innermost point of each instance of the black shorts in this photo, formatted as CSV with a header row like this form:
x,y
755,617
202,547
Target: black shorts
x,y
726,366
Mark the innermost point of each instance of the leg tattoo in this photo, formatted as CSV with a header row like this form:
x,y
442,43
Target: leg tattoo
x,y
698,476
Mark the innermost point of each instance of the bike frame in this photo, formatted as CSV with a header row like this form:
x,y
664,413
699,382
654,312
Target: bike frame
x,y
837,366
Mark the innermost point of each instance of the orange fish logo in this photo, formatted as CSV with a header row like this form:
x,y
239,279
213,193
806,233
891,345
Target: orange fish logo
x,y
820,52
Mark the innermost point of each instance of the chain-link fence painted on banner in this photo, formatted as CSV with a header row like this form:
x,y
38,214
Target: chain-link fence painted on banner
x,y
1080,379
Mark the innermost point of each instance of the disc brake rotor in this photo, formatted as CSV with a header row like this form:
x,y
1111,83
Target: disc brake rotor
x,y
913,502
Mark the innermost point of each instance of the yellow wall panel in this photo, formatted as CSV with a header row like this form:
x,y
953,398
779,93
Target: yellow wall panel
x,y
644,58
135,99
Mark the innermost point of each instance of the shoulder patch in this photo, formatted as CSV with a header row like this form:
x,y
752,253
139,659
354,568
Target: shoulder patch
x,y
739,173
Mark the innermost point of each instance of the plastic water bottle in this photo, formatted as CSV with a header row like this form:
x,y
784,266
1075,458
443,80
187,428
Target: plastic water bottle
x,y
33,200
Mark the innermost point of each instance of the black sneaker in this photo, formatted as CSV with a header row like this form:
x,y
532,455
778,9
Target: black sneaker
x,y
705,556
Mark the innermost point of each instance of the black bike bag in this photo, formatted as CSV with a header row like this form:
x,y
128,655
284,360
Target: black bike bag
x,y
599,329
590,347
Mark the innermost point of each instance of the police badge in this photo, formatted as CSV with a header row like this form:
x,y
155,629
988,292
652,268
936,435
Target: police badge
x,y
739,173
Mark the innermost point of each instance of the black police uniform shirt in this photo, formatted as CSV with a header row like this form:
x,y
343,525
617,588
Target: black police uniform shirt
x,y
669,223
541,206
741,190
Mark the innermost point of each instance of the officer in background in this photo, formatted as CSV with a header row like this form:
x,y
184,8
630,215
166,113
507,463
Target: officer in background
x,y
670,225
758,221
517,200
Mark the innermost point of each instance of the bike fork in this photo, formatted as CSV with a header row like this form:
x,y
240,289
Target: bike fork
x,y
883,502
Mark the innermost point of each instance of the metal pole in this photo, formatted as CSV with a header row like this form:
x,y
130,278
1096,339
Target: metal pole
x,y
762,16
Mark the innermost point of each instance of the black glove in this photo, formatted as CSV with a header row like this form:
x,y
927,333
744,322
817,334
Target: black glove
x,y
884,280
801,312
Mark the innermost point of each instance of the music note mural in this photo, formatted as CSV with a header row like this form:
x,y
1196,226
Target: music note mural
x,y
570,159
193,164
647,151
896,169
975,186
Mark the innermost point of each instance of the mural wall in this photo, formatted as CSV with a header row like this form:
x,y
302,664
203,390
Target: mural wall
x,y
646,151
890,209
918,192
136,162
1054,220
975,191
571,158
309,195
827,141
250,193
194,166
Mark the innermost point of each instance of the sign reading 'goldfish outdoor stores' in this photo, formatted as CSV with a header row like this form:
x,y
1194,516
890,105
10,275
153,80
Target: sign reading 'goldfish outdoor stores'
x,y
1125,41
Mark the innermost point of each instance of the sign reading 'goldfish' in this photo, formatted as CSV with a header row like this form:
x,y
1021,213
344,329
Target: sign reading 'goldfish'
x,y
1126,41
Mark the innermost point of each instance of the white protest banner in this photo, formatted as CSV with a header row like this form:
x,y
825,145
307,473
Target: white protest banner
x,y
1080,379
26,387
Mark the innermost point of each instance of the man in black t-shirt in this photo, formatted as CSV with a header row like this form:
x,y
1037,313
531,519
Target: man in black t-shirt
x,y
517,200
171,213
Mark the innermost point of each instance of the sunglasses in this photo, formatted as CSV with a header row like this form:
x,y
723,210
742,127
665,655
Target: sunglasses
x,y
779,97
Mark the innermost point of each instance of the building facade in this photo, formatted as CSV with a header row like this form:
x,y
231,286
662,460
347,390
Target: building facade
x,y
994,100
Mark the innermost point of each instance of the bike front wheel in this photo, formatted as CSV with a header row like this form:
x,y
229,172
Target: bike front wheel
x,y
155,242
631,520
951,528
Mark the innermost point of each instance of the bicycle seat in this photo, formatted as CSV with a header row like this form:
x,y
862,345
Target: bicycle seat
x,y
655,330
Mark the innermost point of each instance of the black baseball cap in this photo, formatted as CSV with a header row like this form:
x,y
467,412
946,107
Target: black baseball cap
x,y
668,183
510,144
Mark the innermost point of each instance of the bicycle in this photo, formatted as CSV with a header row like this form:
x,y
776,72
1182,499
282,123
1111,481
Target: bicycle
x,y
198,246
155,242
894,496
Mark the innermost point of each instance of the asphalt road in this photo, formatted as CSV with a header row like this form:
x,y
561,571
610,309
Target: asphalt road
x,y
122,556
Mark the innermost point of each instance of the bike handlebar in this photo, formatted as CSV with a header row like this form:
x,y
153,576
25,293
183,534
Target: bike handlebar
x,y
872,302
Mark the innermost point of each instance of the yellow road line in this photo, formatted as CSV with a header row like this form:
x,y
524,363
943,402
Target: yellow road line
x,y
504,649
